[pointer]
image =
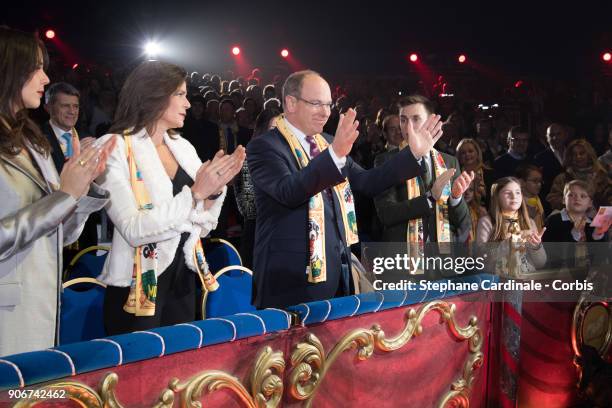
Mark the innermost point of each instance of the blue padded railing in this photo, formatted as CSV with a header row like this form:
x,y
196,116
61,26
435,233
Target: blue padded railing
x,y
20,370
338,308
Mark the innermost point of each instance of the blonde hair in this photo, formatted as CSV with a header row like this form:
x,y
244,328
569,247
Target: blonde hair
x,y
580,184
567,156
496,211
476,147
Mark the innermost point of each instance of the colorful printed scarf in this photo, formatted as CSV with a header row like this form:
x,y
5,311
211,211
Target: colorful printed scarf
x,y
143,289
317,271
414,234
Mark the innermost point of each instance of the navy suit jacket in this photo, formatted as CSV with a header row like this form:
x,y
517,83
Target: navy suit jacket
x,y
282,193
56,150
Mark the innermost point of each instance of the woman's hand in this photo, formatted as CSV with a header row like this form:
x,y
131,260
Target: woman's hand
x,y
215,173
84,166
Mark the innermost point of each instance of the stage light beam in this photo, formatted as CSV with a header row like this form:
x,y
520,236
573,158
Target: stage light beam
x,y
50,34
236,50
284,53
414,57
607,57
462,58
152,49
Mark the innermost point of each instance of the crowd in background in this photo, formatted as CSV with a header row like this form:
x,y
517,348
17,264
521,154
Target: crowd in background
x,y
545,132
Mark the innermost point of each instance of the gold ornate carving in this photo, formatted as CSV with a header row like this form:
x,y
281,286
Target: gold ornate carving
x,y
266,387
266,384
82,394
591,325
310,363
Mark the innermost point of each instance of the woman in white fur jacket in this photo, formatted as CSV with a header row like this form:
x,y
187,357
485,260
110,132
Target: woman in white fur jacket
x,y
162,200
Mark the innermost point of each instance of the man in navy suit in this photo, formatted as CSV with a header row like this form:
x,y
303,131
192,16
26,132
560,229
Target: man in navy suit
x,y
62,105
285,188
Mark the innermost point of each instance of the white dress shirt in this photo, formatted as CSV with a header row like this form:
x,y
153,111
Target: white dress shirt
x,y
58,135
340,162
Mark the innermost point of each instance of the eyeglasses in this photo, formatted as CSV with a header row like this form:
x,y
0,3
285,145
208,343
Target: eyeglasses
x,y
315,104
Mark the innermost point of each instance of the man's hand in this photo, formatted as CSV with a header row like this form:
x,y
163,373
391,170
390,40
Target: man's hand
x,y
346,133
438,185
423,139
461,184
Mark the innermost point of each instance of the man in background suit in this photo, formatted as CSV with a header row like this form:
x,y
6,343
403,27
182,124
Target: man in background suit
x,y
396,209
62,105
550,160
518,144
305,212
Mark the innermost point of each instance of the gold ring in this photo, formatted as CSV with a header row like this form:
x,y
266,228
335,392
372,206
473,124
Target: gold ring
x,y
82,162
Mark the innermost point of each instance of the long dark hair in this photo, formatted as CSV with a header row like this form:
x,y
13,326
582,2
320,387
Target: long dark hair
x,y
146,95
19,59
263,120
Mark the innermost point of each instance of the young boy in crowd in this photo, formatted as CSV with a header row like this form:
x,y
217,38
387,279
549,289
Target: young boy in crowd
x,y
531,184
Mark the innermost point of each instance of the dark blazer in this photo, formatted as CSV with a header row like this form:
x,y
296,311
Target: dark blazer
x,y
395,209
506,165
547,161
282,192
56,151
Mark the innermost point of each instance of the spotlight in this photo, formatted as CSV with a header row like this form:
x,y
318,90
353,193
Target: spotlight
x,y
152,49
284,53
606,57
462,58
50,34
414,57
75,66
236,50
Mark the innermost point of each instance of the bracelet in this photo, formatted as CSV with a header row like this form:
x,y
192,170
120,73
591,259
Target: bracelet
x,y
214,196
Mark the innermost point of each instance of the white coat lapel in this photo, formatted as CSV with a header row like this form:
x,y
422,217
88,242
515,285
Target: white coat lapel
x,y
157,182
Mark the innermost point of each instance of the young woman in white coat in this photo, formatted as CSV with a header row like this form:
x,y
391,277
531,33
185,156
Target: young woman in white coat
x,y
41,211
162,200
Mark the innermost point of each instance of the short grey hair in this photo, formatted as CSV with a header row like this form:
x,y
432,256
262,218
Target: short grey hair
x,y
293,83
60,87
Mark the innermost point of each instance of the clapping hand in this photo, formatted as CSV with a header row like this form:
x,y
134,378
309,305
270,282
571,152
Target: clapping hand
x,y
346,133
422,140
461,184
534,238
216,173
441,180
84,166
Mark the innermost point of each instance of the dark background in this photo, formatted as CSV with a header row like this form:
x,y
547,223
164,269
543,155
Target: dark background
x,y
540,39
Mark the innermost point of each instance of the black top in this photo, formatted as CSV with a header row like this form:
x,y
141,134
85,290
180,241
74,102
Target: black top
x,y
181,178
